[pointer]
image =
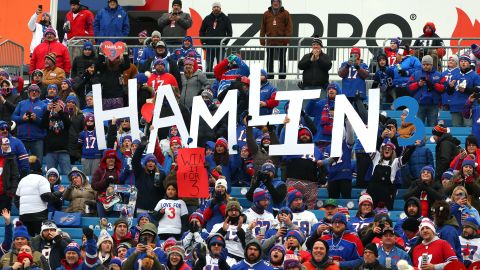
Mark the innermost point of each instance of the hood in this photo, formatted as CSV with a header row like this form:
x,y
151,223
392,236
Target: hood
x,y
76,170
148,157
417,203
300,128
54,171
189,38
256,243
449,137
210,145
432,25
452,221
118,162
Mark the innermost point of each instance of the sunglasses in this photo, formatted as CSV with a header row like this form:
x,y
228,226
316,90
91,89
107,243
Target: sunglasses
x,y
217,244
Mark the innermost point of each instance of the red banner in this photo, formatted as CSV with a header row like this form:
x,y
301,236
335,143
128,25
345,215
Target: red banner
x,y
192,176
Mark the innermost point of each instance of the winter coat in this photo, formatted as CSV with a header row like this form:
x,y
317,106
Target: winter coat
x,y
57,126
192,87
427,95
449,232
101,177
471,110
111,23
267,95
54,75
318,108
177,29
78,195
410,64
328,266
260,155
76,126
315,73
57,251
7,108
82,24
277,24
112,85
38,56
226,75
445,151
81,63
421,157
216,26
375,266
205,133
457,98
434,191
30,130
8,259
10,175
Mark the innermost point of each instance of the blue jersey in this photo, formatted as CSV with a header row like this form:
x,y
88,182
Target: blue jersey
x,y
341,168
448,75
88,139
395,255
359,222
243,265
353,83
242,135
470,79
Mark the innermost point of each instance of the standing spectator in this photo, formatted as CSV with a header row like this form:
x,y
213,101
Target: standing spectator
x,y
427,86
196,233
65,89
174,25
452,70
426,41
170,67
432,252
112,21
73,258
406,66
15,148
53,73
78,21
412,209
51,242
447,147
471,151
276,22
50,45
258,213
267,95
55,185
28,116
215,209
214,30
265,179
315,66
467,178
107,174
421,157
38,29
193,83
76,126
383,79
463,83
353,73
228,70
149,51
137,52
391,51
320,257
9,177
187,51
8,100
88,139
83,61
79,193
57,124
217,254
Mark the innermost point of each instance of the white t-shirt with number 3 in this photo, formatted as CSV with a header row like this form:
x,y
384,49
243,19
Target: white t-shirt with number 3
x,y
171,222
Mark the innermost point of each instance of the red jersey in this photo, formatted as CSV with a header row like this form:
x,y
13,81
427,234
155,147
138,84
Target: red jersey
x,y
157,80
438,251
391,56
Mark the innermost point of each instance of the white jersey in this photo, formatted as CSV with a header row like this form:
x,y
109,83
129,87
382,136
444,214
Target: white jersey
x,y
212,263
232,242
304,221
264,221
470,249
171,222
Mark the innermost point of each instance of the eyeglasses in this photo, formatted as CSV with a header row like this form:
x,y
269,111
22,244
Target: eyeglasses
x,y
217,244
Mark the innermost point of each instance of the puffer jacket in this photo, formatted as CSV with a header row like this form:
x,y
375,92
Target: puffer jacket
x,y
421,157
111,23
78,195
30,130
445,151
38,56
192,87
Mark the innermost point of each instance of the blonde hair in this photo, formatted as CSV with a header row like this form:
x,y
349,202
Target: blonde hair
x,y
464,190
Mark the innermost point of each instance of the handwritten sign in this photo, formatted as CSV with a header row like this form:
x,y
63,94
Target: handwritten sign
x,y
192,177
112,51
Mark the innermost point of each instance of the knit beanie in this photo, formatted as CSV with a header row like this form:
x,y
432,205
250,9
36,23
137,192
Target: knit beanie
x,y
175,139
48,224
178,250
471,222
454,58
339,217
221,141
365,198
439,130
429,169
20,231
448,174
215,238
73,246
53,57
118,222
232,205
50,30
115,261
291,261
411,224
87,45
468,162
260,194
465,57
104,236
297,234
24,255
280,248
198,216
221,182
373,248
471,139
268,167
426,222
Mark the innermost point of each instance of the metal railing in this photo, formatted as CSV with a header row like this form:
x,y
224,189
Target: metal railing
x,y
251,51
11,57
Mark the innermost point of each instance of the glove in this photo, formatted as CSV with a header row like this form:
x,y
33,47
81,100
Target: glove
x,y
429,85
88,232
223,255
231,58
458,180
469,179
403,73
144,141
193,227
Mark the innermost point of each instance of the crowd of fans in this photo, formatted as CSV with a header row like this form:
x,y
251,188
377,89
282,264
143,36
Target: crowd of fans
x,y
47,130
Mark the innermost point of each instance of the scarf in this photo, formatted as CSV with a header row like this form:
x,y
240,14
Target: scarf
x,y
323,264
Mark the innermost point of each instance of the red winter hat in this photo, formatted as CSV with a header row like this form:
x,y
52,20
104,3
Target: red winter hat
x,y
304,131
175,139
355,50
221,141
22,255
432,25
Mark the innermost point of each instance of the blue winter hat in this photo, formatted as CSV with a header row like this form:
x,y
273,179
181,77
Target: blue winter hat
x,y
189,38
339,217
73,246
87,45
149,157
68,81
216,238
210,145
20,231
269,167
448,174
465,57
72,98
396,41
430,169
141,215
471,222
115,261
126,137
159,61
285,210
4,124
335,86
137,142
141,78
260,194
468,162
297,234
280,248
52,85
292,195
264,73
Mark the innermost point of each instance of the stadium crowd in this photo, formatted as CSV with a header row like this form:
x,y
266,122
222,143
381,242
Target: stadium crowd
x,y
48,132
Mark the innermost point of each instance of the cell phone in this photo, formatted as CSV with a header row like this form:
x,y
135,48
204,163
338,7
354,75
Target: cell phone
x,y
40,7
352,58
142,240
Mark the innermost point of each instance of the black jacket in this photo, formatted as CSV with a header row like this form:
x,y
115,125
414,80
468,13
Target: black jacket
x,y
10,175
76,126
81,63
7,108
315,73
111,79
56,139
205,133
57,252
223,28
434,191
445,151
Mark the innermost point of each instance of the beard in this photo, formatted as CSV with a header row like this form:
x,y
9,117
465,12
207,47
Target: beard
x,y
90,128
234,220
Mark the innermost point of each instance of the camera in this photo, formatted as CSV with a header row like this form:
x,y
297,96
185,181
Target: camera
x,y
157,181
263,176
381,225
142,240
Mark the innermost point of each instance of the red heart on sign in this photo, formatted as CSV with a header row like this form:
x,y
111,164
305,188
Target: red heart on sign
x,y
112,51
147,111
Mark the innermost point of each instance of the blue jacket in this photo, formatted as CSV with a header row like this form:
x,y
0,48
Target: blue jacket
x,y
314,109
423,94
409,63
346,250
267,90
137,54
472,110
18,149
229,170
353,83
359,222
148,53
217,216
449,233
182,53
111,23
341,169
421,157
242,265
30,130
458,99
448,75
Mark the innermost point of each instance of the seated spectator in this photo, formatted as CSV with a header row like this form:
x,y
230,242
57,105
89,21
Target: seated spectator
x,y
187,51
388,252
353,73
470,240
149,49
432,252
142,218
276,257
55,185
65,89
447,226
365,214
428,39
20,244
79,193
426,189
411,232
105,26
52,243
468,178
176,257
8,100
122,251
320,257
461,208
373,232
53,74
406,66
427,86
193,83
349,255
58,52
217,254
253,257
370,258
107,174
276,234
28,116
294,242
